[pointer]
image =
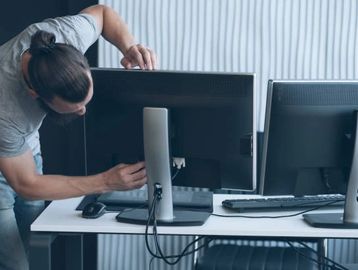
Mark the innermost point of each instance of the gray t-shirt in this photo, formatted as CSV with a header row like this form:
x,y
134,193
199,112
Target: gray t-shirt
x,y
20,114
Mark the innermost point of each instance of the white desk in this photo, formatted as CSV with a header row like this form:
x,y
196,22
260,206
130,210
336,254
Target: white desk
x,y
60,217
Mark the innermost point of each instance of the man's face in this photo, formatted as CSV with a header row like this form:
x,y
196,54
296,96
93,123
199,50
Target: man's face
x,y
62,111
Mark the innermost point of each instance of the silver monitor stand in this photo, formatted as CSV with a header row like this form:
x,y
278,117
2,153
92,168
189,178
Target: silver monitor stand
x,y
349,218
157,160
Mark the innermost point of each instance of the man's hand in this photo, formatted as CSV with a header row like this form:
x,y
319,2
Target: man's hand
x,y
20,173
115,30
138,55
126,176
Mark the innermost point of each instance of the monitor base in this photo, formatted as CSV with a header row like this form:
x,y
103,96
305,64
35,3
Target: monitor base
x,y
181,218
329,220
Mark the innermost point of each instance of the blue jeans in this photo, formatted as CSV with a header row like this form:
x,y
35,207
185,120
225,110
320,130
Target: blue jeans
x,y
16,216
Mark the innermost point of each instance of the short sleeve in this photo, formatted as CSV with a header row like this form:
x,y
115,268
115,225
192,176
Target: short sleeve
x,y
80,31
12,143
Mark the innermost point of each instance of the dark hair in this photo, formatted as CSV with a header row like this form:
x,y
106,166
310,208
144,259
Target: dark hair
x,y
57,69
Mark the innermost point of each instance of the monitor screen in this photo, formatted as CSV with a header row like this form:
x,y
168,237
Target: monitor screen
x,y
308,140
212,126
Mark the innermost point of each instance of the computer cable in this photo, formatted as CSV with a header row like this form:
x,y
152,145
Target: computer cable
x,y
324,257
327,263
175,174
153,258
155,234
151,263
178,163
165,258
185,251
150,220
320,264
279,216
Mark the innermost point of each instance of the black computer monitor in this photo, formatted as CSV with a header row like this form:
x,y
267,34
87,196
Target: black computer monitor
x,y
207,118
212,123
308,140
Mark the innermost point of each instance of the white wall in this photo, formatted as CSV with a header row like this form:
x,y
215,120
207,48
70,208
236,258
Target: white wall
x,y
277,39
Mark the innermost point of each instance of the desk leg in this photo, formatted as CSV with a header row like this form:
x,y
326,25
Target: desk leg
x,y
322,250
90,246
80,251
63,251
40,251
74,252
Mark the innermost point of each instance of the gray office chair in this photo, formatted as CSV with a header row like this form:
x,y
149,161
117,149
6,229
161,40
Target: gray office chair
x,y
236,257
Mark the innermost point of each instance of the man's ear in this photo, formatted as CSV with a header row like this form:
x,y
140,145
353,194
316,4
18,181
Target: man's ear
x,y
33,93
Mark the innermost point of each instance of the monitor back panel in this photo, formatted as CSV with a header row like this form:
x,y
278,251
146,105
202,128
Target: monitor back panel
x,y
308,139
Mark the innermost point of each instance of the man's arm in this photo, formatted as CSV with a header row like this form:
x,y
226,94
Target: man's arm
x,y
20,172
115,30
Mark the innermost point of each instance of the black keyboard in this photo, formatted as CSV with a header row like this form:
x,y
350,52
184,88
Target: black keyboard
x,y
284,203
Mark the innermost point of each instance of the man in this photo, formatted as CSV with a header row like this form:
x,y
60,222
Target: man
x,y
43,71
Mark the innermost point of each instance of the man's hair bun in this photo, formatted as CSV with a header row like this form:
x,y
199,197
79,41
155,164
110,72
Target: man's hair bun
x,y
42,42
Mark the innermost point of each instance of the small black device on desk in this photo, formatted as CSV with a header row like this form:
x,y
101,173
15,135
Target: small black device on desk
x,y
94,210
285,203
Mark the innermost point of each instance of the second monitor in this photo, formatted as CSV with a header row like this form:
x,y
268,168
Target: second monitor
x,y
309,137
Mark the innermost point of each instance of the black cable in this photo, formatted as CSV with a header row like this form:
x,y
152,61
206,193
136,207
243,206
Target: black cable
x,y
161,255
178,257
335,264
151,262
150,216
175,174
166,257
152,259
280,216
302,254
306,256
